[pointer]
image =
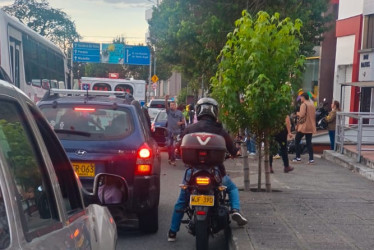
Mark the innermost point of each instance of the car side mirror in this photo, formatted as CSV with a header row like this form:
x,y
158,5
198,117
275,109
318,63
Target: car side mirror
x,y
110,189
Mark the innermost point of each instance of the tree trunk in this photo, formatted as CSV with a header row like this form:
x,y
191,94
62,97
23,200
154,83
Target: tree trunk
x,y
245,162
245,167
267,167
259,166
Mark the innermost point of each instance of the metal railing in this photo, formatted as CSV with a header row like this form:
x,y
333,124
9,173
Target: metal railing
x,y
354,128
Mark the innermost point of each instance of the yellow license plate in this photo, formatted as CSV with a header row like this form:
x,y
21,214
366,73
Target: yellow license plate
x,y
202,200
84,169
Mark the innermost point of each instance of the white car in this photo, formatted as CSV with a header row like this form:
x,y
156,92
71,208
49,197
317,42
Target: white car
x,y
42,202
154,106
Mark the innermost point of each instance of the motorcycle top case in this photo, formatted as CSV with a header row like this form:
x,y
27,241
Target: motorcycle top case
x,y
203,149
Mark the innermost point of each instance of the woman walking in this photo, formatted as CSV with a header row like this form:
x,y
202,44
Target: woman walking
x,y
331,122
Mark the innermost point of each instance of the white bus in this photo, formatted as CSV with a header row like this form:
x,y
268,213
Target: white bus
x,y
30,61
134,87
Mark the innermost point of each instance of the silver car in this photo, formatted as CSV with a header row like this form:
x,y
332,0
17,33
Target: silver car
x,y
42,203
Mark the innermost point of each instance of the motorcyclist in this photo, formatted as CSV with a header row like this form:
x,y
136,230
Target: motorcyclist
x,y
207,113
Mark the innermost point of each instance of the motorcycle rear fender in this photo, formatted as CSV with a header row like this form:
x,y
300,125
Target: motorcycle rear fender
x,y
201,217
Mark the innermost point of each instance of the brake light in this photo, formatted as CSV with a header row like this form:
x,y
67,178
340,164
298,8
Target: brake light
x,y
200,212
203,153
203,180
144,152
143,169
84,109
144,160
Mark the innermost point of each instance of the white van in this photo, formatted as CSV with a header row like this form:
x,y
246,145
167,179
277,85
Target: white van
x,y
134,87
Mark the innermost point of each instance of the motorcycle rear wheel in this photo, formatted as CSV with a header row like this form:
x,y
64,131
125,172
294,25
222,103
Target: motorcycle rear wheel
x,y
202,235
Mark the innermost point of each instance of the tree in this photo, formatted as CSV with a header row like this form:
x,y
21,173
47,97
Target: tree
x,y
51,23
191,33
258,64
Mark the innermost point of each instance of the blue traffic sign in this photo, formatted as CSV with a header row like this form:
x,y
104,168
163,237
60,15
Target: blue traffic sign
x,y
137,55
86,52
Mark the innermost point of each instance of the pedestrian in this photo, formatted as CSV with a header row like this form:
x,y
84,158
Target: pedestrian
x,y
174,124
251,142
191,113
331,122
281,138
306,125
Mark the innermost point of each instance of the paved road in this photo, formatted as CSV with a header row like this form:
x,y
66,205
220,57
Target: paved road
x,y
131,238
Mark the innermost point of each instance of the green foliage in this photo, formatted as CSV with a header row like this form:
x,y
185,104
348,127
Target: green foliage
x,y
260,62
191,33
182,97
20,154
45,20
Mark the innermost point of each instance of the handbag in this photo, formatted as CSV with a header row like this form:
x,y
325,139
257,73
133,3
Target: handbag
x,y
302,120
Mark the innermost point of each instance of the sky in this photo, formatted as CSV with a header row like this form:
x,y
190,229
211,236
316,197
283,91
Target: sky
x,y
102,20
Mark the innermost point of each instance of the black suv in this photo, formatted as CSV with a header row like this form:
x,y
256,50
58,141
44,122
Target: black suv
x,y
107,132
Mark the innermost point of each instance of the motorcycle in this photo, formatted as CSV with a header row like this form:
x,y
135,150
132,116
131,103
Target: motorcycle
x,y
208,210
321,114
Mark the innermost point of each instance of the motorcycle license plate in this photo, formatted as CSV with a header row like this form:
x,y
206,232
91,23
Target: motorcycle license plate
x,y
84,169
202,200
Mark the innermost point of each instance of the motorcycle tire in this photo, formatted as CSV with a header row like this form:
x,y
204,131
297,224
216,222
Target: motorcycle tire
x,y
202,235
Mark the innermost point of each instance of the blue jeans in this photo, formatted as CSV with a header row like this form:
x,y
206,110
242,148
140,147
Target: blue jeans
x,y
184,196
171,146
251,145
332,139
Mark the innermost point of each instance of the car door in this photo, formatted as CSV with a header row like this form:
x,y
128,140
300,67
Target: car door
x,y
91,227
38,218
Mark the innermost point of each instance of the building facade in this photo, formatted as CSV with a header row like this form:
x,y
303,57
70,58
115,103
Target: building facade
x,y
355,55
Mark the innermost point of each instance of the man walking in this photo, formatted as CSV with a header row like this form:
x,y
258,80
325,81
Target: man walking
x,y
174,123
306,126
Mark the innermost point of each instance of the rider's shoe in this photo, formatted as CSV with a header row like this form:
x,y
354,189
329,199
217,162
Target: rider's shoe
x,y
238,218
172,236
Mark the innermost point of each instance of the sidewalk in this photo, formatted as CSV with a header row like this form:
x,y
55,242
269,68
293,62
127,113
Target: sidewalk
x,y
323,206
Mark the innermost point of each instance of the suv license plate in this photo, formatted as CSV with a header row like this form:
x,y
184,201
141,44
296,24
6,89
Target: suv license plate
x,y
202,200
84,169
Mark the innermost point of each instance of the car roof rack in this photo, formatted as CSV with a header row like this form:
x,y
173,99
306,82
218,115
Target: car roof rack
x,y
87,92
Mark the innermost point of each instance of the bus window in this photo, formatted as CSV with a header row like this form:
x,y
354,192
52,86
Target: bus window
x,y
124,88
54,84
102,87
45,84
36,82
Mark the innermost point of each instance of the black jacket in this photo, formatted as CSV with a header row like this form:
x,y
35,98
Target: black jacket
x,y
208,125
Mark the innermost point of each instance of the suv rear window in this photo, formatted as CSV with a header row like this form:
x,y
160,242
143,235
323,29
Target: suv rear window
x,y
82,122
157,104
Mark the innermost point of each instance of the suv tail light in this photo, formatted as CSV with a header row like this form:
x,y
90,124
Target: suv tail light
x,y
144,160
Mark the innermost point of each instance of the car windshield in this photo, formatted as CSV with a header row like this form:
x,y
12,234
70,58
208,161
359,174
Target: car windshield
x,y
89,122
161,117
157,104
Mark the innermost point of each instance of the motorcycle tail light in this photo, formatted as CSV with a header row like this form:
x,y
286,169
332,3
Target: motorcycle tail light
x,y
200,212
202,180
203,153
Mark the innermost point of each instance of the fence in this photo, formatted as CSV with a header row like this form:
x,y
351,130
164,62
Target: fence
x,y
356,128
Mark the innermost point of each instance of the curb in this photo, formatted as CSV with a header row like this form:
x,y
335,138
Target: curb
x,y
349,163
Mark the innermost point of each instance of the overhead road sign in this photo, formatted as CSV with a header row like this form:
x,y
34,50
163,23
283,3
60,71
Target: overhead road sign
x,y
86,52
112,53
137,55
154,78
